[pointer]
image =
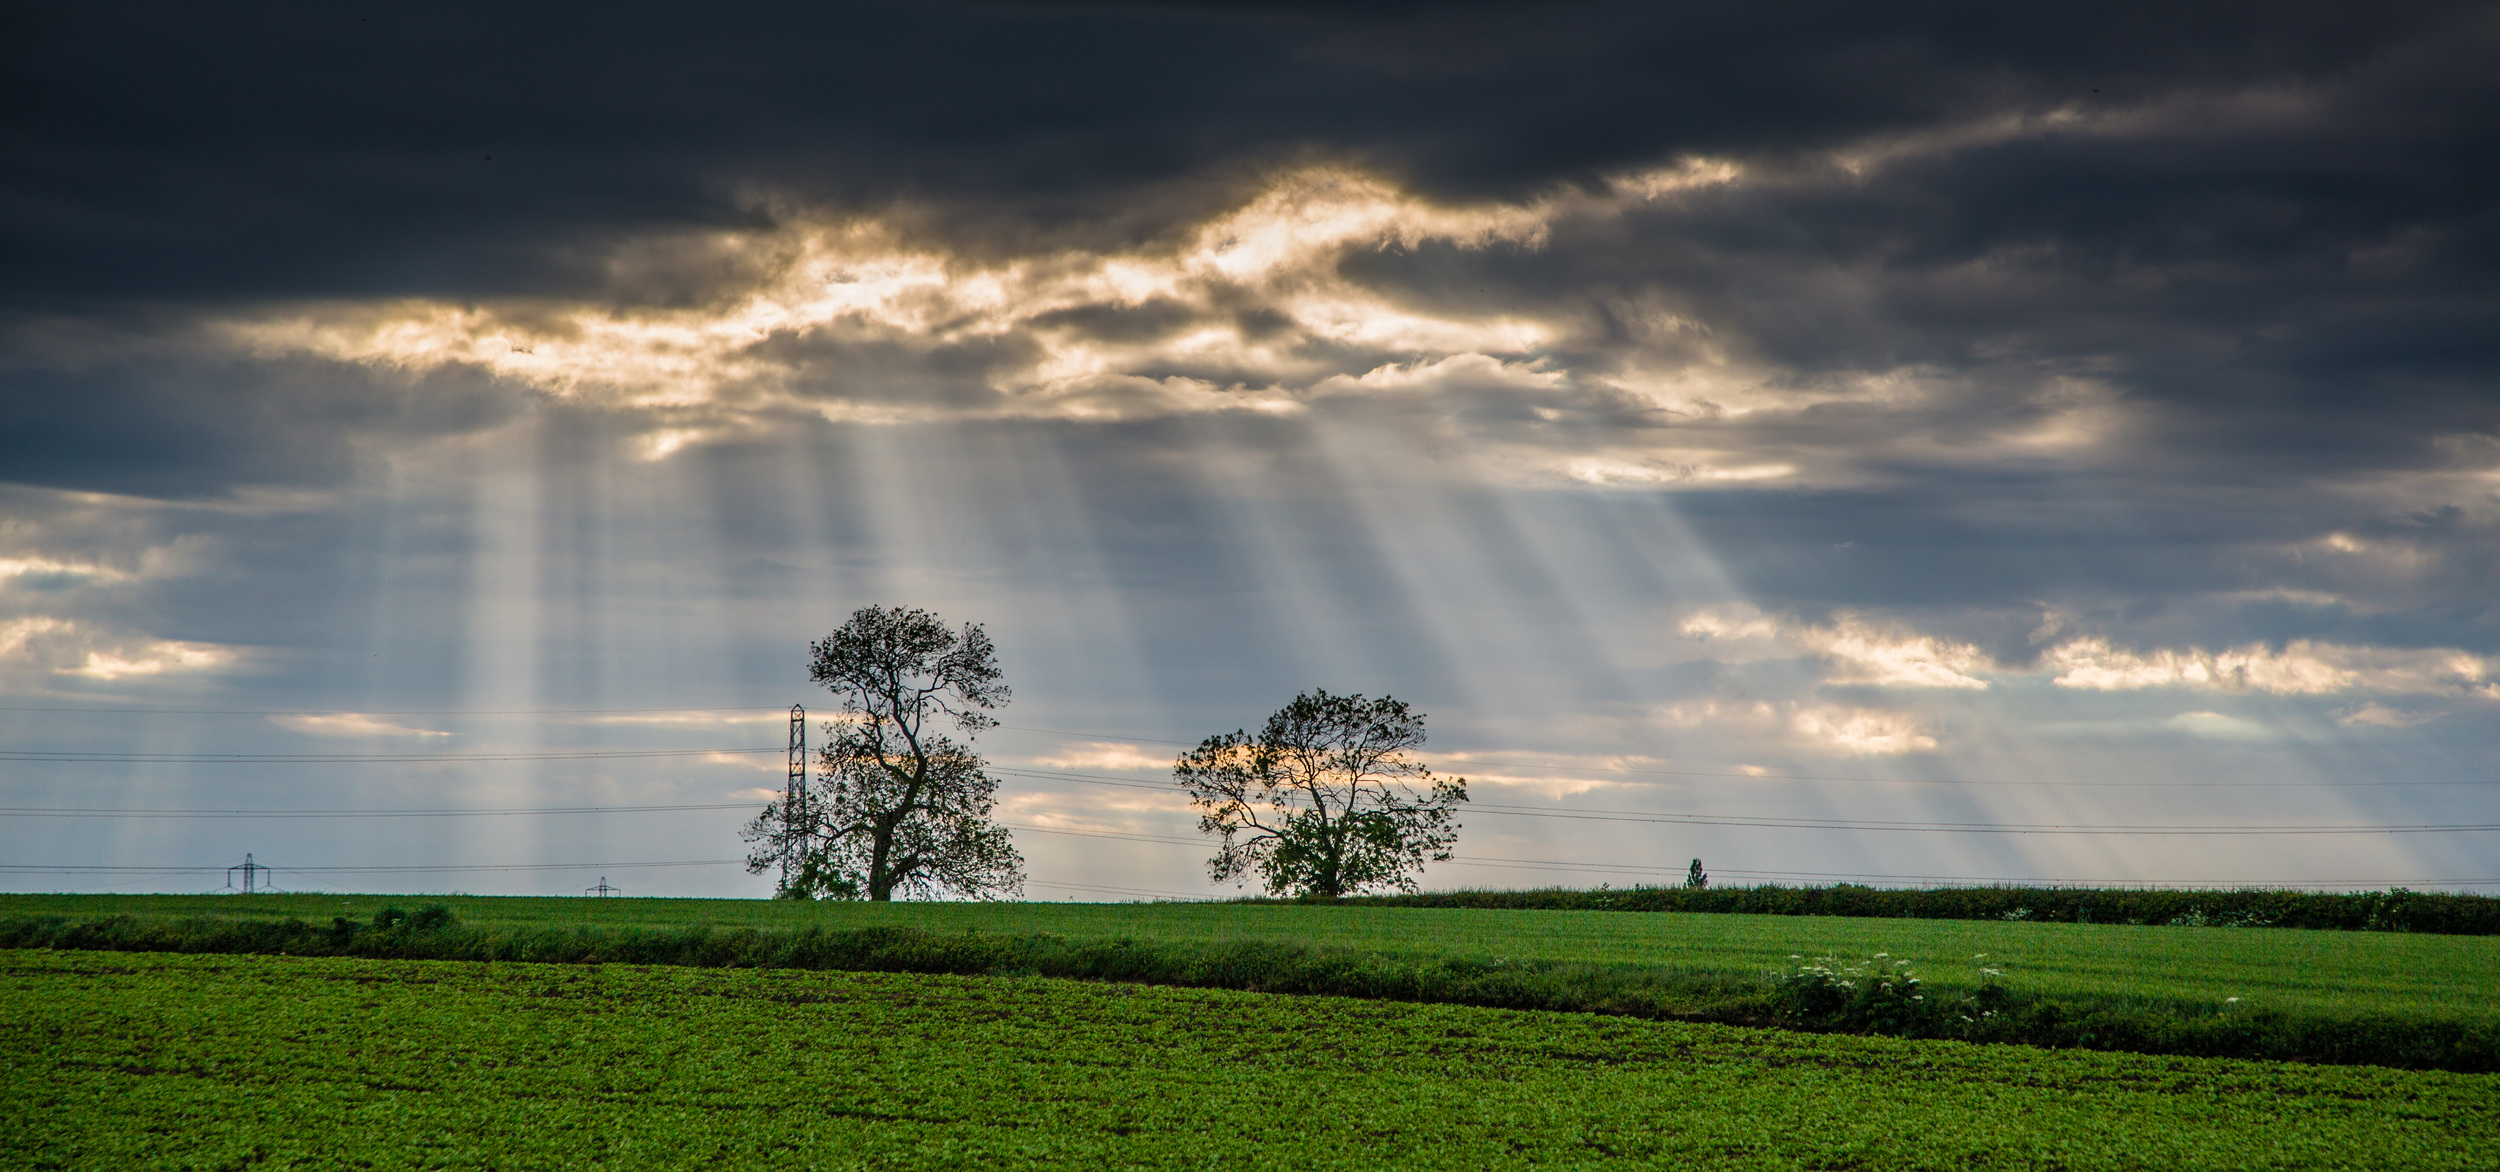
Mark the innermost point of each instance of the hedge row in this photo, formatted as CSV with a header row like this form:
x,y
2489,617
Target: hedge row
x,y
1796,1001
2399,910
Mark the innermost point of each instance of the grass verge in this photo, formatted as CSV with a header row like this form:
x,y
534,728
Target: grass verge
x,y
2324,974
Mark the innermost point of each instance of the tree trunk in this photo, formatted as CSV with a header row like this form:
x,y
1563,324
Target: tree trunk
x,y
880,883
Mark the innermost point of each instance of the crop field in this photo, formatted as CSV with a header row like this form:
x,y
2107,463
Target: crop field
x,y
118,1060
2333,973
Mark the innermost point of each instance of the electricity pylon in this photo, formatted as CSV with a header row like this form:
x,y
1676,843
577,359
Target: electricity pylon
x,y
794,798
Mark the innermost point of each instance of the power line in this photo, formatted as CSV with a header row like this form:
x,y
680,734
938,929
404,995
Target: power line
x,y
482,812
1088,778
1156,838
1181,895
1961,782
1637,816
1753,776
119,711
142,873
29,868
2073,882
1581,866
271,758
1491,809
1468,860
1678,872
30,755
1100,736
1972,827
84,868
514,867
1062,775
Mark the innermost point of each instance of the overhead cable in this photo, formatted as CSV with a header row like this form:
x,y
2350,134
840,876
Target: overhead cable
x,y
1487,809
480,812
361,758
28,868
1740,775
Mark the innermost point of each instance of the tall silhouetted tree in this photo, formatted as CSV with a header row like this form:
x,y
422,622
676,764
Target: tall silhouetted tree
x,y
898,805
1327,800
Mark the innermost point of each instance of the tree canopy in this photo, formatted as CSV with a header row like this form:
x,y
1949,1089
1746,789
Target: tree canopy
x,y
898,805
1327,799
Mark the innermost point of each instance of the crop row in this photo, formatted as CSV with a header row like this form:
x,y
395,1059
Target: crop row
x,y
159,1061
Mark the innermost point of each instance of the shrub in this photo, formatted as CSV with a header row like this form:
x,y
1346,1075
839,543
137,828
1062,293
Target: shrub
x,y
1885,995
2397,910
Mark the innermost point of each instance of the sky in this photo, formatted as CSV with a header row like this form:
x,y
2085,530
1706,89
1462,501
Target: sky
x,y
1892,444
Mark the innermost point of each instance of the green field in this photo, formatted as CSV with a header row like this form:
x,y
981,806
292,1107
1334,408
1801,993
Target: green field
x,y
2454,978
119,1060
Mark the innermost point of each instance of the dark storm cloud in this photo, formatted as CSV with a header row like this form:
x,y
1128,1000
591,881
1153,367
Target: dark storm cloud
x,y
292,150
174,425
2263,233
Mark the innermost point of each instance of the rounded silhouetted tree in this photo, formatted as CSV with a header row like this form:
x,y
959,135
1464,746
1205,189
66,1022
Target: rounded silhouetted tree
x,y
898,805
1328,799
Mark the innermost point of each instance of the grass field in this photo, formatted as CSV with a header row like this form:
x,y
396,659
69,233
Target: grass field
x,y
2332,973
117,1060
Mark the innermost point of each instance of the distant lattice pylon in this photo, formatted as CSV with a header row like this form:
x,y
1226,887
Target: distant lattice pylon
x,y
794,797
251,871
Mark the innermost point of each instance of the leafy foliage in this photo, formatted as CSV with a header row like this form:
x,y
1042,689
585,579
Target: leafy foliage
x,y
217,1061
1885,995
899,806
2397,910
1327,800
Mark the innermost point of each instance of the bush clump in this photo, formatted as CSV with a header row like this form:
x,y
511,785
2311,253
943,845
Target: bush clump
x,y
2397,910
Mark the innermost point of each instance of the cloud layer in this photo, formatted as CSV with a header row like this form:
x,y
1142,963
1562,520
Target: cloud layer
x,y
1994,402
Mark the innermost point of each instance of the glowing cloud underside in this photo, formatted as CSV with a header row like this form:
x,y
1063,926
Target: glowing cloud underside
x,y
1257,309
1469,494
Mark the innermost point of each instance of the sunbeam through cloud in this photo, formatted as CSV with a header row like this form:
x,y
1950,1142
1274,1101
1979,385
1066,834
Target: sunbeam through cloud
x,y
1785,421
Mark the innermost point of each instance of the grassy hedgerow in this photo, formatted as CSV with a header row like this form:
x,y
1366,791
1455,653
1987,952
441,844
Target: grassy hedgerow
x,y
2398,910
1880,995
